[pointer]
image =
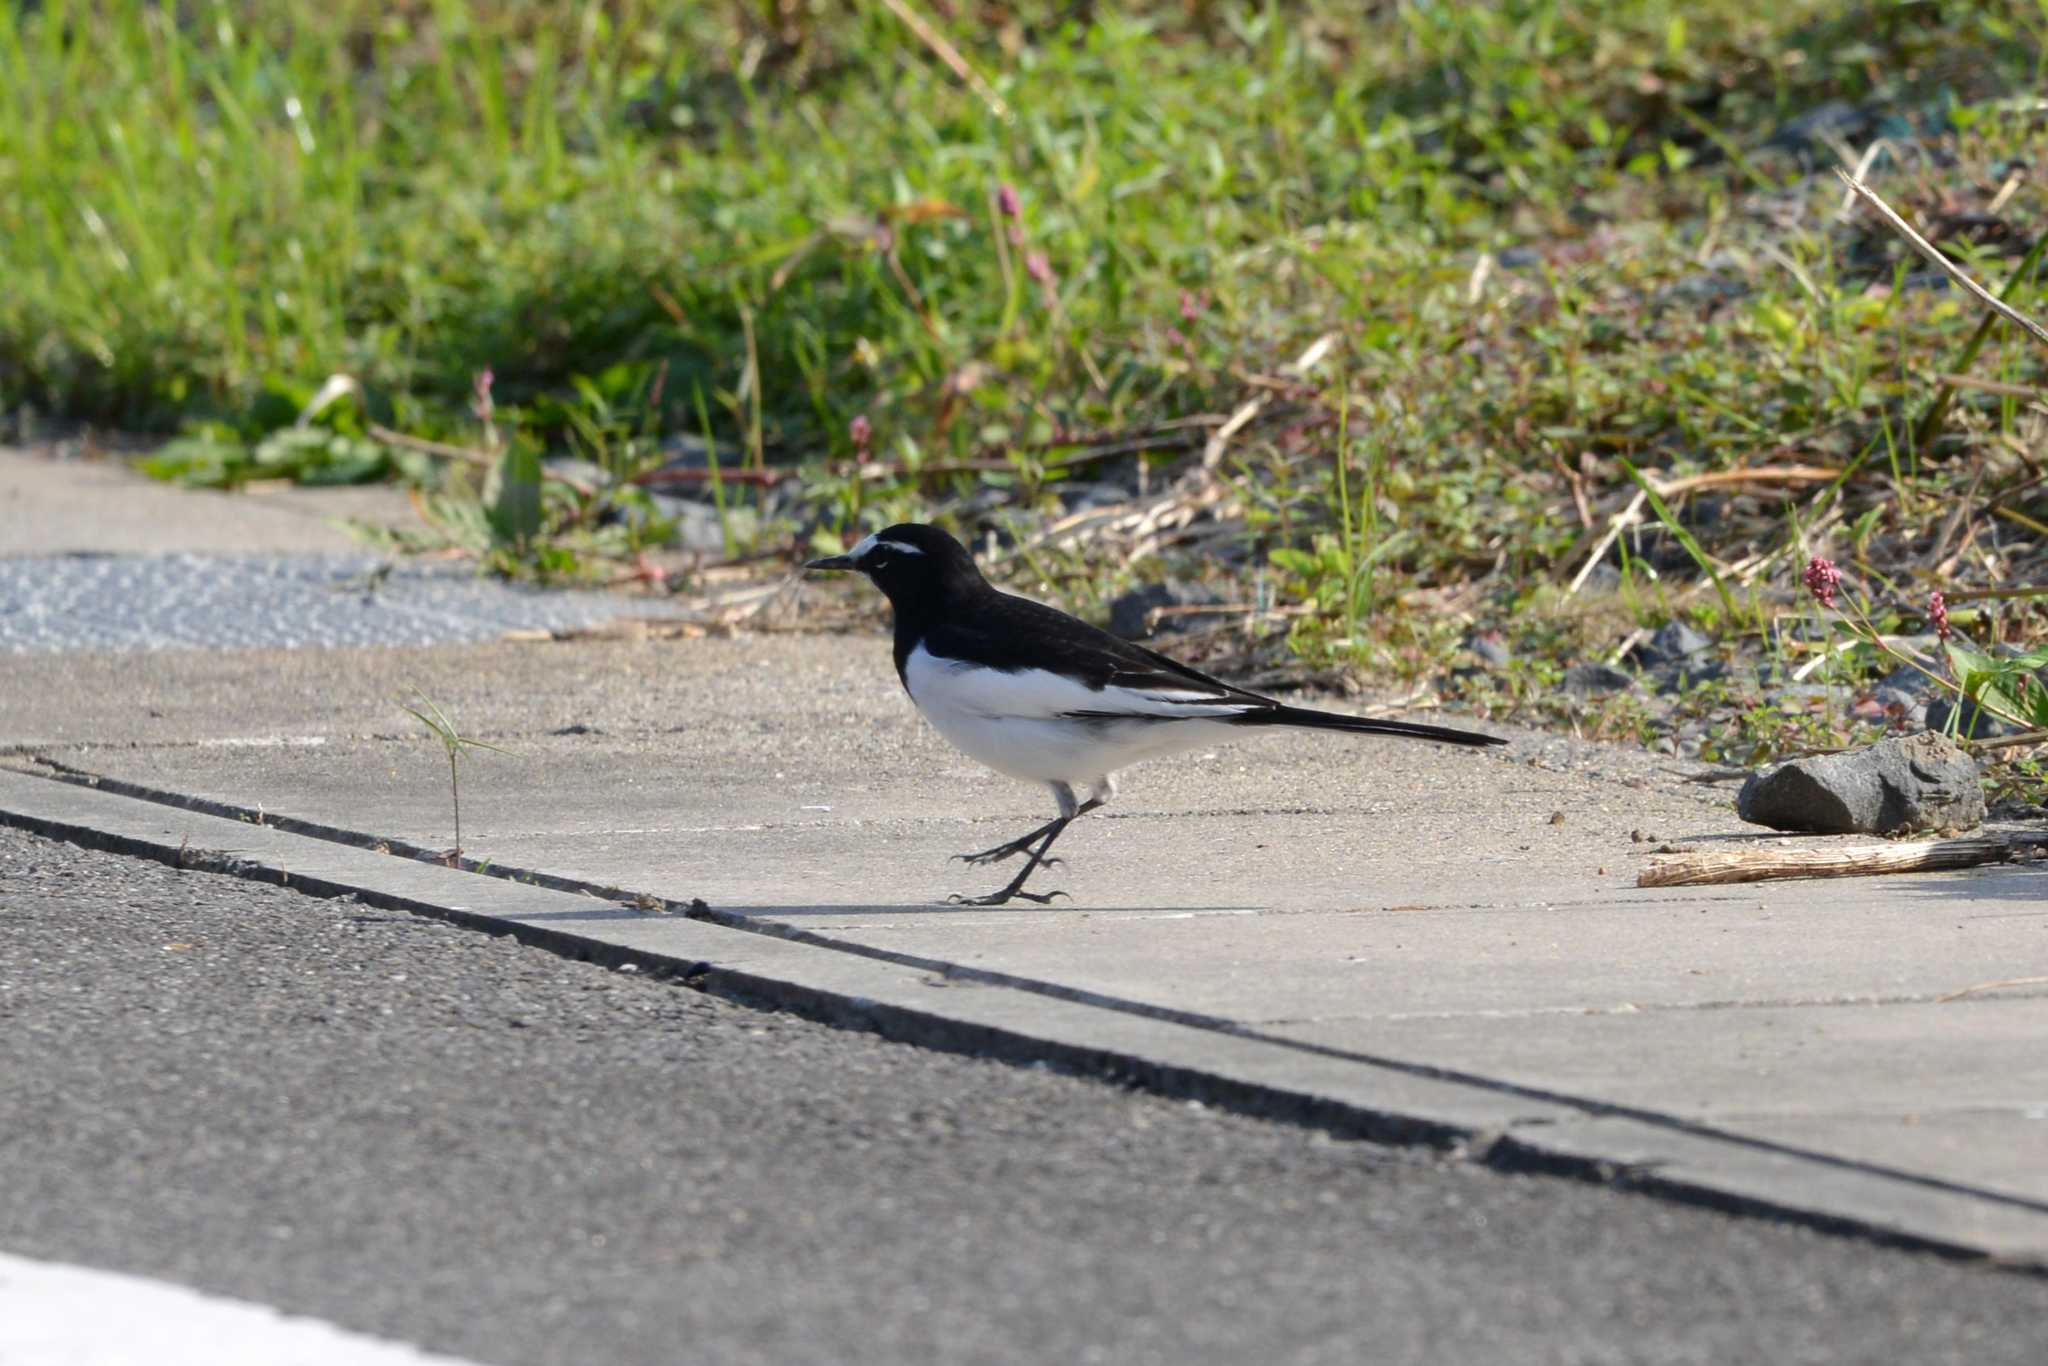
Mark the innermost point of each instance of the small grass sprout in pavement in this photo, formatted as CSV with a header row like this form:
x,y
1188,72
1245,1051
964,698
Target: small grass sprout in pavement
x,y
430,714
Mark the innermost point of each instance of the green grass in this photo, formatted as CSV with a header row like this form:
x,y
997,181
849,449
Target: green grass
x,y
1554,238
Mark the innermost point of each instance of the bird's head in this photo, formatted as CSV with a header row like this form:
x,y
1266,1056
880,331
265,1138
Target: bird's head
x,y
908,561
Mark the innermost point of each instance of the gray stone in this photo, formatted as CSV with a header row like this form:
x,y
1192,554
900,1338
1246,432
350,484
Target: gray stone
x,y
687,451
1490,649
698,524
1603,578
1949,715
1700,290
1086,497
577,470
1826,126
1596,680
1686,674
1673,643
1919,782
1132,615
1905,708
1907,679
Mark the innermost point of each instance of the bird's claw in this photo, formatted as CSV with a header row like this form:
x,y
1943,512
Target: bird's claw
x,y
999,898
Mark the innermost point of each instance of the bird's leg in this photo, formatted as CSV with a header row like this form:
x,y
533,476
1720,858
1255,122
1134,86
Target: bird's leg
x,y
1016,885
1010,850
1022,844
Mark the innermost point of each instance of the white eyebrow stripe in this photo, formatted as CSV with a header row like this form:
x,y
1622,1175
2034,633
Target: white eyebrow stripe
x,y
873,543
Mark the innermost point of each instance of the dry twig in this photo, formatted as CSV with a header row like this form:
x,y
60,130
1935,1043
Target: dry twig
x,y
1696,869
1992,386
425,447
1615,525
1941,262
950,55
1219,440
2000,985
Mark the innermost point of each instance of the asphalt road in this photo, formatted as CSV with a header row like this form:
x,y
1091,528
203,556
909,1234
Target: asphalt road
x,y
420,1132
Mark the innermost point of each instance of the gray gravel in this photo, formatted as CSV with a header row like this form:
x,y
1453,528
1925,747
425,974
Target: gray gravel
x,y
424,1133
156,602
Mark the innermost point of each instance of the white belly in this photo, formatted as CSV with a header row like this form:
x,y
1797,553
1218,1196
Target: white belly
x,y
1015,723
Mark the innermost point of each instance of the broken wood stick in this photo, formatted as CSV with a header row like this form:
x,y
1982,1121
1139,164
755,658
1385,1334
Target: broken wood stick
x,y
1939,261
1697,869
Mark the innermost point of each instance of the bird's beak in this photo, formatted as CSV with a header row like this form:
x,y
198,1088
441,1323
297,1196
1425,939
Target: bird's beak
x,y
832,562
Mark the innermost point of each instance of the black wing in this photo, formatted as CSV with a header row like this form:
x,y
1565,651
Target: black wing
x,y
1014,634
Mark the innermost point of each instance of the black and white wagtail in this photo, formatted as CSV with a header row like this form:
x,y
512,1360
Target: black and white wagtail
x,y
1040,695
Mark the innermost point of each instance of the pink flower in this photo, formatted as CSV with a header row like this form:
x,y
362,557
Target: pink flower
x,y
481,404
1937,614
1007,201
1192,305
1822,579
1175,339
885,236
648,572
1040,269
861,431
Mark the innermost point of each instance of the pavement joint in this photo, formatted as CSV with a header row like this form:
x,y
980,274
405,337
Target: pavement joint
x,y
1503,1145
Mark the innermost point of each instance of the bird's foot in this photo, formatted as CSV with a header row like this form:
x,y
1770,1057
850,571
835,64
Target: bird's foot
x,y
1020,845
999,898
998,855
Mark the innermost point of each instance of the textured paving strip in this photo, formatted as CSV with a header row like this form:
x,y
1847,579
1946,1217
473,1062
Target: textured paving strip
x,y
938,1003
239,602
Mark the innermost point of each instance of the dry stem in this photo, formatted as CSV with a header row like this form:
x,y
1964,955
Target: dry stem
x,y
1941,262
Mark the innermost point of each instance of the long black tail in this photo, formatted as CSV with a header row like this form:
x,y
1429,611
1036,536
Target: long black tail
x,y
1362,725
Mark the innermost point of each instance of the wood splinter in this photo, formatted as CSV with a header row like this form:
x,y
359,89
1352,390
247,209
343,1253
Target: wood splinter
x,y
1694,869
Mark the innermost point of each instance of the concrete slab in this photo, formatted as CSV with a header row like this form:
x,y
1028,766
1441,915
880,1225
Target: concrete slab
x,y
1953,1091
1381,909
1496,1118
68,507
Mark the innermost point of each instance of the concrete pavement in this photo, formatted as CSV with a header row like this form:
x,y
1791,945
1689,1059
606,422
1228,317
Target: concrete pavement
x,y
482,1147
1410,931
1408,935
97,507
